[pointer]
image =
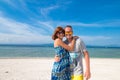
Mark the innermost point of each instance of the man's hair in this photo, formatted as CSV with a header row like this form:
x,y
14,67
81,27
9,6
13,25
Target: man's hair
x,y
68,26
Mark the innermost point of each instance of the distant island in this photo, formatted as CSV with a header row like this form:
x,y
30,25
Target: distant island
x,y
51,45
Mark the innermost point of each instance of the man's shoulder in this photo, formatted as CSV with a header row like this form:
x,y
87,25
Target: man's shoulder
x,y
79,40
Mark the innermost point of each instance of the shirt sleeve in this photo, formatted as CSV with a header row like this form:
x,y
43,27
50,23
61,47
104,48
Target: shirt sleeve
x,y
82,46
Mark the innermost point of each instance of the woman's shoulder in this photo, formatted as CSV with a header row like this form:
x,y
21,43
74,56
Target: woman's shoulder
x,y
57,40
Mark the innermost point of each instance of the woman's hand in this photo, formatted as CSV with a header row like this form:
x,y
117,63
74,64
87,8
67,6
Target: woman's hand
x,y
75,37
57,58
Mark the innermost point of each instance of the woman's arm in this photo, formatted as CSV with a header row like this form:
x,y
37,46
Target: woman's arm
x,y
61,43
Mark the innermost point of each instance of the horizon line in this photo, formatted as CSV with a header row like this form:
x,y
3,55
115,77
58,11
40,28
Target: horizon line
x,y
51,45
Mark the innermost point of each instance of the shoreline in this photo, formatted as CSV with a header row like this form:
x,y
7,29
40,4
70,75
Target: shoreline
x,y
40,68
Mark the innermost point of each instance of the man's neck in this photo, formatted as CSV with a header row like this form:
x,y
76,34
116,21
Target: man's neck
x,y
69,40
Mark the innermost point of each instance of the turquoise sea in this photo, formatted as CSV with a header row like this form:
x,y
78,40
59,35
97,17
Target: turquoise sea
x,y
36,51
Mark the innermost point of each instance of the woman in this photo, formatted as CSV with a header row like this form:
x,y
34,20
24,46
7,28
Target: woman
x,y
61,68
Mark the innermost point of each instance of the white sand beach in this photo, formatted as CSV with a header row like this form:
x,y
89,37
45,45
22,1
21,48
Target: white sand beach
x,y
40,69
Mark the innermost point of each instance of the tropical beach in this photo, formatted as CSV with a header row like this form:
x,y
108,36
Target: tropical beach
x,y
40,69
26,28
35,62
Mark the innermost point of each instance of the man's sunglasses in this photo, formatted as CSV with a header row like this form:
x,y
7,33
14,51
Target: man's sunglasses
x,y
68,33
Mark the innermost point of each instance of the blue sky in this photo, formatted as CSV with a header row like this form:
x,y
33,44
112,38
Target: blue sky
x,y
97,22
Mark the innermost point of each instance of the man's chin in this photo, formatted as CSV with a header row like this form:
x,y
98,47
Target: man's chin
x,y
69,38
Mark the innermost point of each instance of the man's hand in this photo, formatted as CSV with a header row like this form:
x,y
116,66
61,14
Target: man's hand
x,y
87,75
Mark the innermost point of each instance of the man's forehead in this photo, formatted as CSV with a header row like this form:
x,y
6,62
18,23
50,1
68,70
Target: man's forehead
x,y
68,29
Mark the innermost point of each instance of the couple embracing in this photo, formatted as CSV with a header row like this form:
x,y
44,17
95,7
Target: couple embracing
x,y
68,56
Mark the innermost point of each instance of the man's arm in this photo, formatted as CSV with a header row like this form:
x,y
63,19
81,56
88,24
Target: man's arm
x,y
87,63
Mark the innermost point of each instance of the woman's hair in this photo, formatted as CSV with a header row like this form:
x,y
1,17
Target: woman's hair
x,y
58,29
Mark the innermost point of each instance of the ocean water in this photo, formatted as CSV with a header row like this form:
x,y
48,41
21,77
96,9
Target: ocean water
x,y
48,52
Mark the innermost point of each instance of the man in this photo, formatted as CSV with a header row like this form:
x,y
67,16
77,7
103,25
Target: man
x,y
76,57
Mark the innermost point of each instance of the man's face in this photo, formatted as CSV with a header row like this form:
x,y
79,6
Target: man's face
x,y
68,33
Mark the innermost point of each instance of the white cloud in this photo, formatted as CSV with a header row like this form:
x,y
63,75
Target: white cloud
x,y
19,33
14,3
47,25
11,3
58,5
104,23
24,39
13,32
95,38
99,40
46,11
16,32
78,24
110,23
20,5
